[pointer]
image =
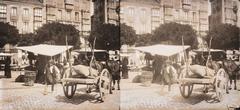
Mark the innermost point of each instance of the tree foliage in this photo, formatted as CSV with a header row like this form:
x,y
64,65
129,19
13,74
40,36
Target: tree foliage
x,y
55,33
128,35
224,36
172,33
27,39
144,39
107,37
8,34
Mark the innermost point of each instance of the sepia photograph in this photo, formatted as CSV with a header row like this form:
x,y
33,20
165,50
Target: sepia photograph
x,y
119,55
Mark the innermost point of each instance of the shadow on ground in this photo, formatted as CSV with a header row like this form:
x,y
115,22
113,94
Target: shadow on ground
x,y
79,97
197,97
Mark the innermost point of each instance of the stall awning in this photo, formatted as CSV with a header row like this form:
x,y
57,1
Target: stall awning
x,y
46,50
89,50
5,54
163,50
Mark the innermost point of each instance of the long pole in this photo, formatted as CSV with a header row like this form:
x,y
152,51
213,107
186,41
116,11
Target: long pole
x,y
209,53
185,60
92,58
68,59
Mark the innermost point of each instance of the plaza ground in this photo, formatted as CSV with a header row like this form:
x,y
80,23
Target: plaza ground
x,y
16,96
132,96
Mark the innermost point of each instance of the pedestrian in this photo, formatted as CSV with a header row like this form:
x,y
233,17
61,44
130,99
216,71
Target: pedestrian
x,y
169,74
7,68
125,68
51,74
222,78
157,68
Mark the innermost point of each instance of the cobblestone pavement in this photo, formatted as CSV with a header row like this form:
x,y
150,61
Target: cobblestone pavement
x,y
136,96
16,96
133,96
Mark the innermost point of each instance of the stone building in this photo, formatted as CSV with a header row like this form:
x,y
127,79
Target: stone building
x,y
28,15
146,15
106,11
225,11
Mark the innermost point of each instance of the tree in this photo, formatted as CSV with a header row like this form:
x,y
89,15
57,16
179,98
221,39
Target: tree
x,y
107,36
56,33
27,39
128,35
8,34
224,36
172,33
144,39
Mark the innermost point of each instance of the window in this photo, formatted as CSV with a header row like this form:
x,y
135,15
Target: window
x,y
155,12
60,14
25,12
131,11
185,15
143,12
3,11
76,16
38,14
121,10
177,14
14,11
14,23
168,11
37,25
68,15
25,27
194,18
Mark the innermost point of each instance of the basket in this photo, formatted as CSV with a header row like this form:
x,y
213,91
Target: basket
x,y
29,78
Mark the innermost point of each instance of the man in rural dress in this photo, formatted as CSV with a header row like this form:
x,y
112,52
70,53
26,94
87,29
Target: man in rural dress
x,y
169,74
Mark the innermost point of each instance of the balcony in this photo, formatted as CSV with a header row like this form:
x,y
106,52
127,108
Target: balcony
x,y
13,17
69,6
69,2
168,4
37,18
25,18
186,6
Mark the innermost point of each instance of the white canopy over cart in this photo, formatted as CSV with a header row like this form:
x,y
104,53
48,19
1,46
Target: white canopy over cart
x,y
163,50
46,50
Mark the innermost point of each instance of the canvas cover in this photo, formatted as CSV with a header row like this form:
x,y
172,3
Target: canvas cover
x,y
46,50
163,50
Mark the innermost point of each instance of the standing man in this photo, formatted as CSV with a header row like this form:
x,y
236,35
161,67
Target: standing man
x,y
157,69
169,74
7,68
125,68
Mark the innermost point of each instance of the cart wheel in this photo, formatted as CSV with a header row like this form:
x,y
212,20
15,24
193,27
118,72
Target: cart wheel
x,y
186,90
104,84
69,90
220,89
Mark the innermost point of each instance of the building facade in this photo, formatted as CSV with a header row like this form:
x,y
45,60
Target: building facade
x,y
29,15
146,15
106,11
225,11
25,15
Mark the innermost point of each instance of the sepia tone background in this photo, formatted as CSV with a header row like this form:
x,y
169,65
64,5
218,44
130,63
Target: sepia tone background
x,y
119,25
